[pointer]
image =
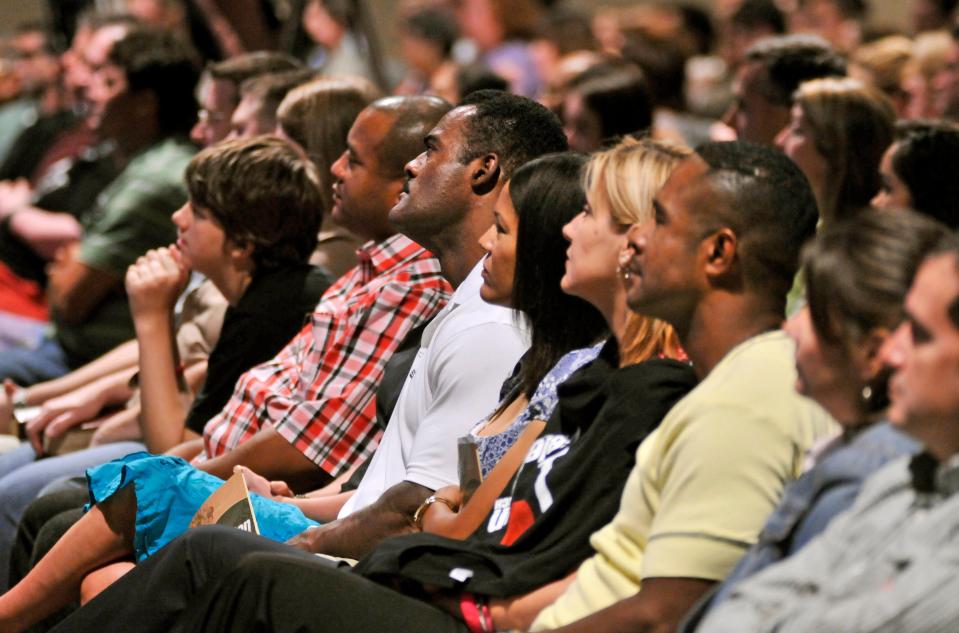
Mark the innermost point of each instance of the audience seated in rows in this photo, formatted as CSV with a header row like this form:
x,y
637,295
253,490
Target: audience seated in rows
x,y
857,274
141,100
617,493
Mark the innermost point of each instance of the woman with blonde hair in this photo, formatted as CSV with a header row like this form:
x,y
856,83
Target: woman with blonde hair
x,y
884,64
525,547
523,551
317,116
624,180
928,74
838,131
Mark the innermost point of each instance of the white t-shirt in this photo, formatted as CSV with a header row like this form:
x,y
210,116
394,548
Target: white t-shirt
x,y
466,353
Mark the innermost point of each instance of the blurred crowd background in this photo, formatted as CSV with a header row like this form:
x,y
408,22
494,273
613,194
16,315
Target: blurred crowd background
x,y
403,44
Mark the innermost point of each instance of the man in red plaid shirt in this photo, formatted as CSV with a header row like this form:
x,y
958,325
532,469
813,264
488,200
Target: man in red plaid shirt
x,y
308,415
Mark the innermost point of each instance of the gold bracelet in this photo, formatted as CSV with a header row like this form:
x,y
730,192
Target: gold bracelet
x,y
420,511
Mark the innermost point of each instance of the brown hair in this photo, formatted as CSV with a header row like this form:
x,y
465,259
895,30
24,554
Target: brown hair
x,y
852,125
242,67
318,116
263,192
858,271
628,176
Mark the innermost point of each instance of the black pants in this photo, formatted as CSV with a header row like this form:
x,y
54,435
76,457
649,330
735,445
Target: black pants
x,y
223,579
40,527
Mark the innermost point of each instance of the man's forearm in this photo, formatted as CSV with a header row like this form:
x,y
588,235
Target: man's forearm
x,y
657,608
164,411
269,454
44,231
354,536
123,356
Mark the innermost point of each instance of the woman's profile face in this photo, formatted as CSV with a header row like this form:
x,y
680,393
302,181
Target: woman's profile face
x,y
596,240
797,141
824,371
499,242
893,192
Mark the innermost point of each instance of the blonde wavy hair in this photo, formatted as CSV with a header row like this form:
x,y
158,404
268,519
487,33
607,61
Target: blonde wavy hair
x,y
627,177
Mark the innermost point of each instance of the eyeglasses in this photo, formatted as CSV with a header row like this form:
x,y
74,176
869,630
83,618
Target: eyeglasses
x,y
205,116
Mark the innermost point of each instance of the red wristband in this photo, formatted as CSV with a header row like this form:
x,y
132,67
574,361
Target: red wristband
x,y
471,613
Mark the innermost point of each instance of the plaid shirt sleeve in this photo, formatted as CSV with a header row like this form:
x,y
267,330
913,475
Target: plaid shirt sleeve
x,y
318,393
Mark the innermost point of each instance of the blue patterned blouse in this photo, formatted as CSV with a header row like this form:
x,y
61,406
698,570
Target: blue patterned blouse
x,y
491,448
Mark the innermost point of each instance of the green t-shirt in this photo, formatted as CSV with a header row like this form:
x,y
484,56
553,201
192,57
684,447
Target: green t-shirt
x,y
131,216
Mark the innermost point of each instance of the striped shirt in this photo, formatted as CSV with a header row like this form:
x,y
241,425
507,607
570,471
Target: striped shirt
x,y
318,392
887,565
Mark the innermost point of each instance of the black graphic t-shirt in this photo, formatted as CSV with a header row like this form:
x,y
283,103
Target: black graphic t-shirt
x,y
568,487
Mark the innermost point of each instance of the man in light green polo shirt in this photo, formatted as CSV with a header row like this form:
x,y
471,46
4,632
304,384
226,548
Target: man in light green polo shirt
x,y
716,264
141,99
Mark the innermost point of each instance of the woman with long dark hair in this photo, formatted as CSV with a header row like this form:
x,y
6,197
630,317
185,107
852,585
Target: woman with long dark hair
x,y
525,274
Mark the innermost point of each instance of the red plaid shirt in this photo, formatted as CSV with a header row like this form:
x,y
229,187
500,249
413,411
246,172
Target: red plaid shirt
x,y
318,392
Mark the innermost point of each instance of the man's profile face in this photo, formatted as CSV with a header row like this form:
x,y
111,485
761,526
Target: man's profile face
x,y
217,100
249,119
438,190
751,114
112,106
664,268
923,353
362,194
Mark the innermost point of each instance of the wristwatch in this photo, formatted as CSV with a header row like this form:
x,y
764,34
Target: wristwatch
x,y
420,511
19,399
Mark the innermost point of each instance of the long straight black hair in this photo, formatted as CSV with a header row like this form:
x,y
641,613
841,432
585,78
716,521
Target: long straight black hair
x,y
547,193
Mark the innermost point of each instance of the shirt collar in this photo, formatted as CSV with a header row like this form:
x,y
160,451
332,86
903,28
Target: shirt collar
x,y
947,477
376,258
931,476
470,287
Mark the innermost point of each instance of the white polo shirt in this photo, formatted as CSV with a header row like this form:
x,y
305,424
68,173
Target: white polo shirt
x,y
466,353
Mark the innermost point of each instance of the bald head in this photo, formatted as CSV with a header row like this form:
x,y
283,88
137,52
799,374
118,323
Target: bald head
x,y
412,119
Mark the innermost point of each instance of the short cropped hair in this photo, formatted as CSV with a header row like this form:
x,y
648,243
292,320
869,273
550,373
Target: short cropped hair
x,y
161,63
766,200
264,192
922,149
271,88
618,94
514,128
789,60
242,67
478,76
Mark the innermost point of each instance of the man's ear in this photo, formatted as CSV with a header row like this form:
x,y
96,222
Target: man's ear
x,y
720,252
485,175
